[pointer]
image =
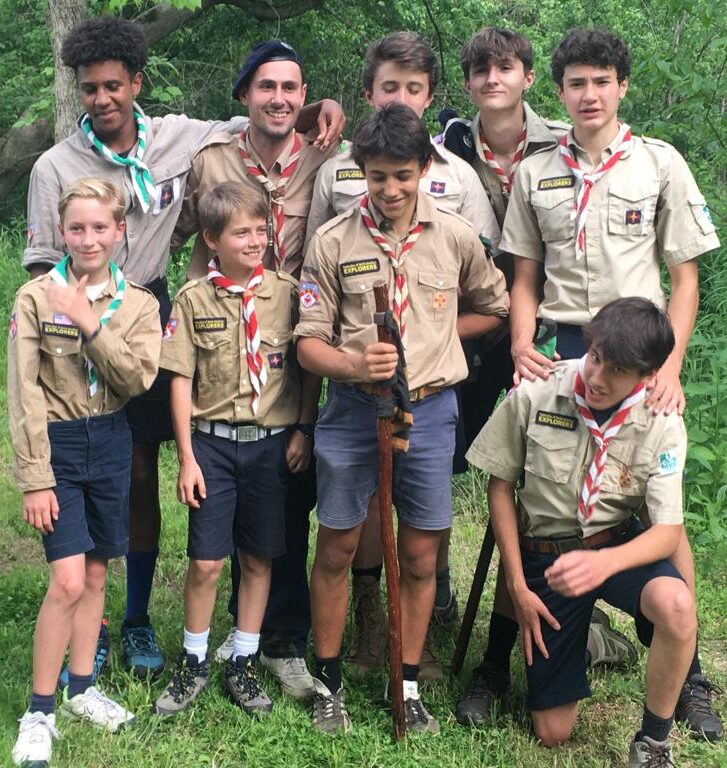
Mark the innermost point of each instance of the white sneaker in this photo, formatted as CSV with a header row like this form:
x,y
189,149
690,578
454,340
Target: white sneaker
x,y
94,706
292,674
224,652
35,738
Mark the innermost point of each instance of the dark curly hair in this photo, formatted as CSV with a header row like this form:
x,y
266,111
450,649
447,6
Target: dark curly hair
x,y
596,47
105,38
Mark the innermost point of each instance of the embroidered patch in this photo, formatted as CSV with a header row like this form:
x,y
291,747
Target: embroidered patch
x,y
210,323
275,360
437,187
633,216
668,463
360,267
30,233
349,174
170,328
557,182
312,271
13,326
62,319
440,300
165,194
703,217
625,477
556,420
308,293
60,329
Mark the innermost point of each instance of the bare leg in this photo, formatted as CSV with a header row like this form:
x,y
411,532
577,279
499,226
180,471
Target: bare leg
x,y
200,591
87,618
252,597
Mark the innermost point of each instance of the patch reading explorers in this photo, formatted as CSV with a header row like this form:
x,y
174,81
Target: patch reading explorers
x,y
210,323
60,329
349,174
361,267
557,182
556,420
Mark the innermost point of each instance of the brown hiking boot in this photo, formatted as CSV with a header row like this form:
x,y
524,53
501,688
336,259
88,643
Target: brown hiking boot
x,y
430,667
370,635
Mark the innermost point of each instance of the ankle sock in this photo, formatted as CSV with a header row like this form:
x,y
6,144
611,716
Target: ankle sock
x,y
78,683
444,590
195,643
328,671
374,571
500,642
44,704
139,578
654,727
244,643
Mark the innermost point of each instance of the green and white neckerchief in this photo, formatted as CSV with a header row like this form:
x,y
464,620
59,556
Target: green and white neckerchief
x,y
141,179
59,275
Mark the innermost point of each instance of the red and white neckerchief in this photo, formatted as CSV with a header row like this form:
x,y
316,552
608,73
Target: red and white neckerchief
x,y
506,179
585,181
275,192
255,368
592,482
401,291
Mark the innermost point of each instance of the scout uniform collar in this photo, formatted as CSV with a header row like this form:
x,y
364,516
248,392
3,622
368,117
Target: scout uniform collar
x,y
424,213
581,154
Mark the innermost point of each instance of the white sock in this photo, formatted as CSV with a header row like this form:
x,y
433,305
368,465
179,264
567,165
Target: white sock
x,y
411,689
195,643
244,643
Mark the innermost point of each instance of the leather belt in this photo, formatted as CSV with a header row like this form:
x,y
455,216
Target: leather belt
x,y
238,433
558,546
415,395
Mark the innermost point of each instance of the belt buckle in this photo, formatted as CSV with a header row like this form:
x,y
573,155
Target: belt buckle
x,y
245,434
568,545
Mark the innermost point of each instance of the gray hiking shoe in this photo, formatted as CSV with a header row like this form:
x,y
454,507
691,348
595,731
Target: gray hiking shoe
x,y
292,674
244,687
486,693
606,646
447,615
370,637
188,681
647,753
417,718
694,707
329,709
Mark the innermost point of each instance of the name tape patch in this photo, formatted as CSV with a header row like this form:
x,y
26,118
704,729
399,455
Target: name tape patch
x,y
556,420
349,174
61,329
360,267
557,182
210,324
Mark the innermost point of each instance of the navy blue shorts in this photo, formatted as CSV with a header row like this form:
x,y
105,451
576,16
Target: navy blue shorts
x,y
346,451
562,678
91,461
149,413
247,486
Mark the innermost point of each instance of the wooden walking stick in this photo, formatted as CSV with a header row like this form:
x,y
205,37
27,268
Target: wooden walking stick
x,y
473,601
391,562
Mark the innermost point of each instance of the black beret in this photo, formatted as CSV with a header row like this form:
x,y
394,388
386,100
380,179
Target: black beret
x,y
270,50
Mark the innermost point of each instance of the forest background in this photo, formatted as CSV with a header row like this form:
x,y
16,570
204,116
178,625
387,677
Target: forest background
x,y
678,92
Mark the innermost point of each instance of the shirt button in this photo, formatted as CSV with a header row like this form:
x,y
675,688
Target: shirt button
x,y
95,410
210,343
362,286
440,283
237,407
275,340
59,350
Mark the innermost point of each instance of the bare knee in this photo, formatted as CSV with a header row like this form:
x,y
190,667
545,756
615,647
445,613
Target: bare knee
x,y
253,567
554,726
66,588
205,571
335,551
671,608
95,574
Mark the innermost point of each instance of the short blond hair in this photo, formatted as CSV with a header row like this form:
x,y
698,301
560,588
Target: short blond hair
x,y
218,205
94,189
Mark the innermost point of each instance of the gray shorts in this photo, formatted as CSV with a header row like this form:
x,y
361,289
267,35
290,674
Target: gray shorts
x,y
346,452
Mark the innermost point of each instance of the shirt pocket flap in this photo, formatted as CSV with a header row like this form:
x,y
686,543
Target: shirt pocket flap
x,y
277,337
295,207
551,452
552,197
211,339
627,469
59,347
439,280
170,170
634,191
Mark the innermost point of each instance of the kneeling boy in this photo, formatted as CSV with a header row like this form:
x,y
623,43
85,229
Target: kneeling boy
x,y
82,341
228,344
590,453
398,235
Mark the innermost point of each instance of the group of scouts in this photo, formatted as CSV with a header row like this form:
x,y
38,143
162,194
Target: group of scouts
x,y
537,225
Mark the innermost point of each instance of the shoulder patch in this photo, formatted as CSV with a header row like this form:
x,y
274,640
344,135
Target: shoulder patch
x,y
556,420
13,326
668,463
557,182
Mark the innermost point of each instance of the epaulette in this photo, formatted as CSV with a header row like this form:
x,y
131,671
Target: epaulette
x,y
656,142
223,137
557,126
286,278
336,220
189,284
139,287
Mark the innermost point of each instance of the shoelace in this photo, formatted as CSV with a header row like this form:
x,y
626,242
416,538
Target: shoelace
x,y
142,640
659,757
326,706
246,679
415,711
182,681
94,697
38,719
701,695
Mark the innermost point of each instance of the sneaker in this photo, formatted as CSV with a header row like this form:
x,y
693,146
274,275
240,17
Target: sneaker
x,y
486,692
224,652
447,615
370,638
292,674
606,646
430,667
141,653
100,660
94,706
188,681
648,753
694,708
35,738
417,718
329,709
244,687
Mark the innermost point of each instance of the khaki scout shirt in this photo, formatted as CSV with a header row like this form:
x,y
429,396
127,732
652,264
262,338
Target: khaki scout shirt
x,y
340,184
205,340
646,207
143,253
48,377
538,432
221,162
343,263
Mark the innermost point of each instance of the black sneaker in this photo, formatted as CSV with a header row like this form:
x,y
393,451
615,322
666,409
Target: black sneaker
x,y
244,687
487,691
694,708
447,615
417,718
329,709
188,681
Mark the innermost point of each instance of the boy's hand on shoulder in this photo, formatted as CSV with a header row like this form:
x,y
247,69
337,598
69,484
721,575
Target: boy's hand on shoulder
x,y
297,454
190,484
74,304
575,573
331,122
665,392
40,509
530,364
377,362
529,610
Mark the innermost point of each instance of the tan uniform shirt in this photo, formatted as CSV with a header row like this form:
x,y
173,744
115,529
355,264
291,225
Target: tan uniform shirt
x,y
537,430
646,207
205,340
48,378
221,162
343,263
340,184
143,253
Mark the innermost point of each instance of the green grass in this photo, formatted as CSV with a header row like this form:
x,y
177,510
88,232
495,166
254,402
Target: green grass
x,y
214,733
